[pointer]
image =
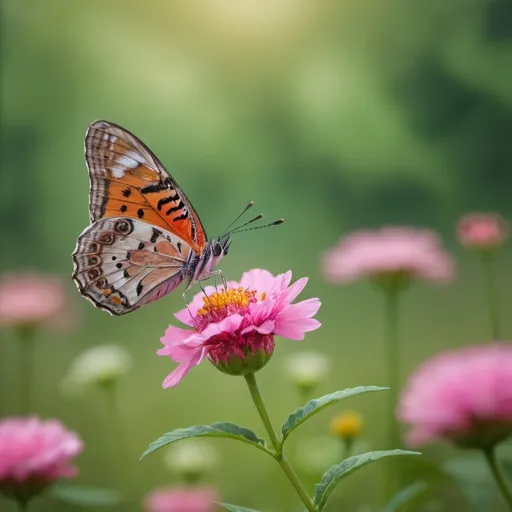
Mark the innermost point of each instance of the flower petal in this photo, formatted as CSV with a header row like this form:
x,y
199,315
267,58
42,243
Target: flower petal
x,y
175,377
291,293
266,327
258,279
295,320
228,325
186,316
306,308
282,281
174,335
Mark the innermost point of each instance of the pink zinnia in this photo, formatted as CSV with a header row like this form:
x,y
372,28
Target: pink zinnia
x,y
34,454
482,230
463,395
31,299
181,499
235,327
394,254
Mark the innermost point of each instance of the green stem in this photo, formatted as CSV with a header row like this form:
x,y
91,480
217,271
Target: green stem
x,y
348,445
119,447
281,459
492,294
26,369
23,504
497,473
392,350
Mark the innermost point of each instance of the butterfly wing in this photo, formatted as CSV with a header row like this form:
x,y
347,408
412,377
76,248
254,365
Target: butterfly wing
x,y
128,180
122,263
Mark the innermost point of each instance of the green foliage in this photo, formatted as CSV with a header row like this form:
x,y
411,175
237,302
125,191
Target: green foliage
x,y
235,508
336,473
316,405
85,496
473,478
228,430
405,496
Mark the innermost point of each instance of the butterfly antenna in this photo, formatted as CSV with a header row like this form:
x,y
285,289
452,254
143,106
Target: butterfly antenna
x,y
258,217
250,205
275,223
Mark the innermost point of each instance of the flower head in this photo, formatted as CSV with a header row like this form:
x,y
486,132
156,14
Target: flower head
x,y
389,256
100,365
191,458
181,499
482,231
347,425
34,454
235,327
31,300
463,395
307,369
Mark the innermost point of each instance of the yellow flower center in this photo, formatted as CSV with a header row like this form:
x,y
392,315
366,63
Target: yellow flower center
x,y
347,425
233,299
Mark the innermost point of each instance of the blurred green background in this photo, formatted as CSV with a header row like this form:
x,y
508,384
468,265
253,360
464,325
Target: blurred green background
x,y
333,115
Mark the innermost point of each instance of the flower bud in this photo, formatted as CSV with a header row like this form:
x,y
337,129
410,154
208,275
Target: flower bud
x,y
243,354
482,231
347,425
307,370
98,366
191,459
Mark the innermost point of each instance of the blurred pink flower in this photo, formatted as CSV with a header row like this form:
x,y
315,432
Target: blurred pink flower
x,y
482,230
235,328
389,254
31,299
181,499
34,454
463,395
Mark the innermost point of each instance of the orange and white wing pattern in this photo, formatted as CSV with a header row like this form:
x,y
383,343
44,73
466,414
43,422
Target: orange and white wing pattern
x,y
122,263
128,180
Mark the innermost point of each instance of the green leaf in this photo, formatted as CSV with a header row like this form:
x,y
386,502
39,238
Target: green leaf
x,y
85,496
218,429
405,496
332,476
302,414
473,478
235,508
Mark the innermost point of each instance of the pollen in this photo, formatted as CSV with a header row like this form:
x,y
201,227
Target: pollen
x,y
234,299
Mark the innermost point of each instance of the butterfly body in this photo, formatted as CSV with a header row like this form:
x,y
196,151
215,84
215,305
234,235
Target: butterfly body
x,y
145,237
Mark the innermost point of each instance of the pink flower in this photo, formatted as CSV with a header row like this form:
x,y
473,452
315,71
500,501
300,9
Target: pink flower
x,y
482,230
181,499
390,254
34,454
235,327
31,299
463,395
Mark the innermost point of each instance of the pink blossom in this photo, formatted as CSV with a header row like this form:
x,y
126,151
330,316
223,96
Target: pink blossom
x,y
235,327
181,499
482,230
34,454
463,395
31,299
388,253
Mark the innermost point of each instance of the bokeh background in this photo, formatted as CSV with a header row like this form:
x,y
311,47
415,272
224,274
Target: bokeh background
x,y
333,115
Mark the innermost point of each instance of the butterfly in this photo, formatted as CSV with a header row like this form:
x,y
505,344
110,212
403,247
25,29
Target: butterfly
x,y
145,237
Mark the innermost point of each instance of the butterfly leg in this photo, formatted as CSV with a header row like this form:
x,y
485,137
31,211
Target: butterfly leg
x,y
221,275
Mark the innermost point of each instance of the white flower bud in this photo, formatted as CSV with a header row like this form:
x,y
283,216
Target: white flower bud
x,y
97,366
307,369
191,458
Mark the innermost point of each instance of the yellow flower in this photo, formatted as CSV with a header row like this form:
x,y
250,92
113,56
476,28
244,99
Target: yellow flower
x,y
347,425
